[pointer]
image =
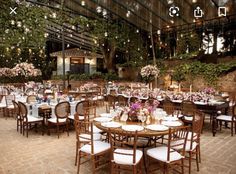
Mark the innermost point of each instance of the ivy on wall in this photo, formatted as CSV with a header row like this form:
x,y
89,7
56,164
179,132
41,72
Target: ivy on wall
x,y
209,72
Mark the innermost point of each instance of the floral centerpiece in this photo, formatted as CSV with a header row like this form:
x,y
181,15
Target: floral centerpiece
x,y
149,72
209,90
141,109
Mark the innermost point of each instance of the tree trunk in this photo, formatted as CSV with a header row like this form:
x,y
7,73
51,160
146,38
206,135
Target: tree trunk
x,y
108,51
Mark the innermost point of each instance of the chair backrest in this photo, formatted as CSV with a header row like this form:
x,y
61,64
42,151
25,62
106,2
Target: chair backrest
x,y
81,106
188,108
16,108
23,111
122,100
197,125
123,140
9,99
29,91
41,91
62,110
4,91
133,100
31,99
111,99
169,107
177,138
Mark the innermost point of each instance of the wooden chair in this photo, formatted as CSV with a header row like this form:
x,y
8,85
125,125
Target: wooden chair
x,y
111,99
62,111
124,153
166,154
41,91
192,147
31,99
228,119
80,109
122,100
27,120
18,117
9,105
169,107
133,100
188,108
29,91
87,147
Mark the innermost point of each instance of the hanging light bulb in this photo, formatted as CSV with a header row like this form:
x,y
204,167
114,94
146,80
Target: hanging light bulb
x,y
106,34
137,31
104,12
128,14
128,40
99,9
18,23
83,3
54,15
158,32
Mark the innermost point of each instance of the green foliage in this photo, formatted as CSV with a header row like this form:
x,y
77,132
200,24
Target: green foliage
x,y
210,72
111,76
190,40
20,79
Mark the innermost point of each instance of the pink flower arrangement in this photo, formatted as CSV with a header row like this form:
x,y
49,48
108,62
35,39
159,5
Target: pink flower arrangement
x,y
209,90
21,69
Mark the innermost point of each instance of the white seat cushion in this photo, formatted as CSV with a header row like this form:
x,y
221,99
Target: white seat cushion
x,y
188,118
127,159
54,120
95,129
87,137
10,107
224,117
99,146
34,119
160,153
72,117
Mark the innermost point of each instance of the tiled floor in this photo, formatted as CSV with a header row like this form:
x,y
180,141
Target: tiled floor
x,y
48,155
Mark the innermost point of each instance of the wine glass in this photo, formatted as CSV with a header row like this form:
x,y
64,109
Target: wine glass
x,y
143,119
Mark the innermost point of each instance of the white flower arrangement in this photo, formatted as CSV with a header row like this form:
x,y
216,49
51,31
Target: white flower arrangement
x,y
149,72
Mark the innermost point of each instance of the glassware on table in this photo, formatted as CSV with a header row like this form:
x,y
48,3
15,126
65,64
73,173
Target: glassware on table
x,y
58,100
143,119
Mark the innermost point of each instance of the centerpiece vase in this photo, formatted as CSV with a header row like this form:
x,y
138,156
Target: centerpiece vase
x,y
132,117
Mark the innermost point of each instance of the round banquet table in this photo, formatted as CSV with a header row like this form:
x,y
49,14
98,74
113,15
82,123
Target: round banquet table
x,y
143,133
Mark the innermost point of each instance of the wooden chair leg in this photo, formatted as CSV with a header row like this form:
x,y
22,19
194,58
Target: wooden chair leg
x,y
182,166
76,153
78,168
190,161
197,160
57,131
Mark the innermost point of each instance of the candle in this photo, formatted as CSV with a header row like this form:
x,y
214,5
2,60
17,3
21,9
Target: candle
x,y
190,89
179,87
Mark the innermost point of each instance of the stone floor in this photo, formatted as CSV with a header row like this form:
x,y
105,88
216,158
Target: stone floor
x,y
48,155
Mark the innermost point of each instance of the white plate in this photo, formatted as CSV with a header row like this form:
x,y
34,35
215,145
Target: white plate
x,y
200,103
171,123
132,128
169,118
157,127
105,115
102,119
177,101
111,124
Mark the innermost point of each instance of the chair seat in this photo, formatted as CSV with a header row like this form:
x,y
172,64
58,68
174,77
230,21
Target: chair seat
x,y
188,118
72,117
99,147
54,120
10,107
160,153
87,137
34,119
95,129
127,159
224,117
